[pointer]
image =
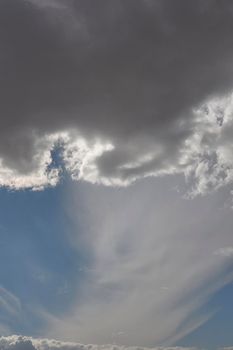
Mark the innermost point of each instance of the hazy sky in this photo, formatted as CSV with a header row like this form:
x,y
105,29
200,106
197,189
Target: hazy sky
x,y
116,172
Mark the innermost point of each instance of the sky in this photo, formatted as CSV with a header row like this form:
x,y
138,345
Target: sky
x,y
116,173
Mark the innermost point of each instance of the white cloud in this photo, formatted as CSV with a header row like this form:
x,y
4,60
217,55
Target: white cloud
x,y
13,176
16,342
208,160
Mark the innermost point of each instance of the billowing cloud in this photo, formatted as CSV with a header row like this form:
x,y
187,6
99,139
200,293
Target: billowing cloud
x,y
127,89
15,342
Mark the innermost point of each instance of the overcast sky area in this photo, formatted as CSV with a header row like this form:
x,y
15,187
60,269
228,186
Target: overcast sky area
x,y
116,174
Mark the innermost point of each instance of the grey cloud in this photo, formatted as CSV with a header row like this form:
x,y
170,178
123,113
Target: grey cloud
x,y
128,74
16,343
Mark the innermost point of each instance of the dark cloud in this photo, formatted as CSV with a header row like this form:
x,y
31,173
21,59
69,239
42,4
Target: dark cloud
x,y
125,73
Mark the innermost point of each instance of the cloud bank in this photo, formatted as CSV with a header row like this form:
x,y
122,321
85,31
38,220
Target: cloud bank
x,y
15,342
127,89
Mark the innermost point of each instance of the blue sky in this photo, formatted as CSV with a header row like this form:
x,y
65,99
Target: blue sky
x,y
217,331
45,262
38,265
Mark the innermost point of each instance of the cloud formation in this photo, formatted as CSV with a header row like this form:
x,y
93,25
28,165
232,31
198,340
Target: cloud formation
x,y
15,342
127,89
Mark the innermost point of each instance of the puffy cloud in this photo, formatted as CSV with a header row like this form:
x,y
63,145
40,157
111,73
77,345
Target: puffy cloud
x,y
15,342
123,87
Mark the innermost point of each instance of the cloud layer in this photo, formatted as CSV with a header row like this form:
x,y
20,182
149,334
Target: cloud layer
x,y
15,342
128,90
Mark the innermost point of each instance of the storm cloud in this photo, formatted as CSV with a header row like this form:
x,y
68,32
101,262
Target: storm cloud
x,y
127,89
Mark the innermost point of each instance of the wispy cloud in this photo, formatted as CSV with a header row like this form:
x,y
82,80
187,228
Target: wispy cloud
x,y
151,265
9,302
10,307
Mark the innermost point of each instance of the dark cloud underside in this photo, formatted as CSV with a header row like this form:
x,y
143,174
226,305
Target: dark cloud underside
x,y
126,76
